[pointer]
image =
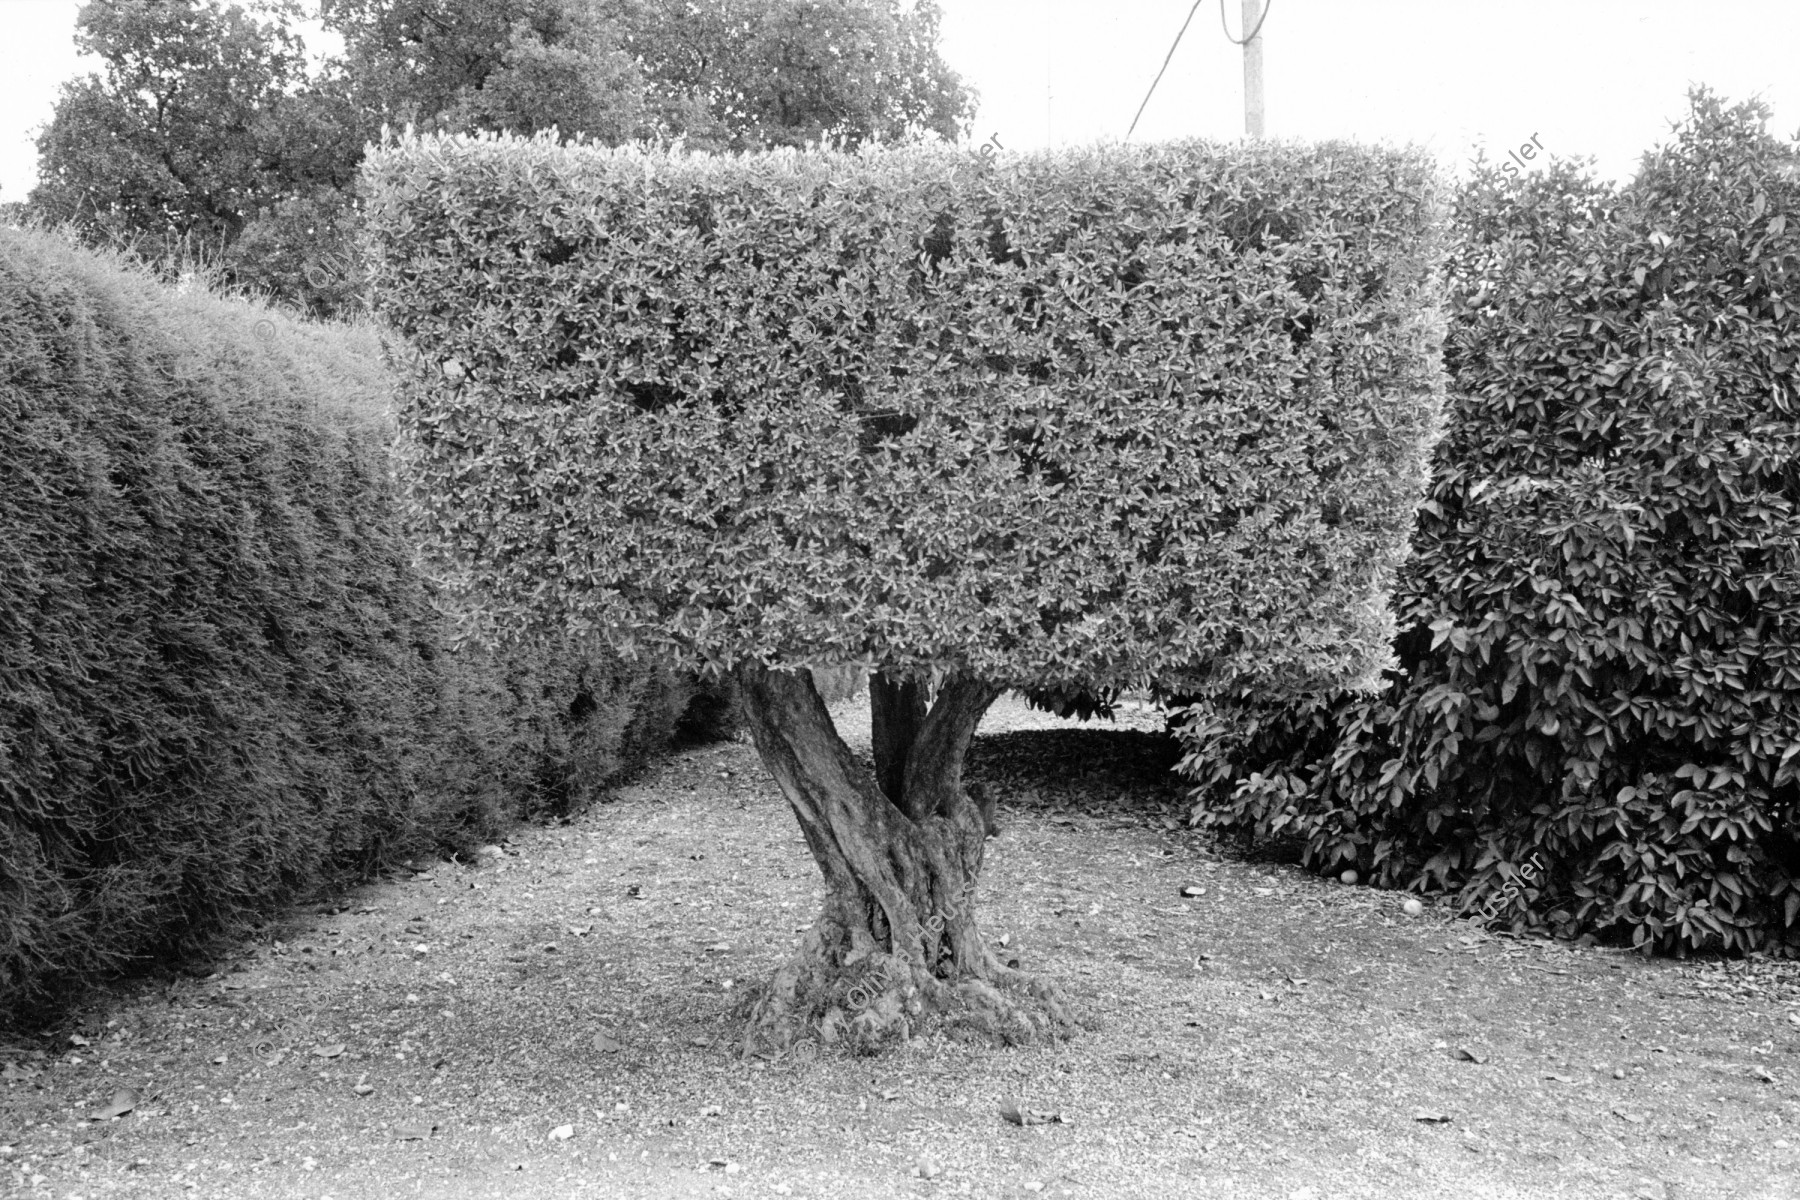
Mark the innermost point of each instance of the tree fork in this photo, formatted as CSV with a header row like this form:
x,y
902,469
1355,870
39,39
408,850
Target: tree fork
x,y
897,708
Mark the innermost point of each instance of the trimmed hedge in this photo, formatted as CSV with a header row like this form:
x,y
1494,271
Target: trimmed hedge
x,y
1096,417
223,684
1594,724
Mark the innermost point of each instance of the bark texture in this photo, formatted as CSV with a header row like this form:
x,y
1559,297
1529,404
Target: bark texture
x,y
896,945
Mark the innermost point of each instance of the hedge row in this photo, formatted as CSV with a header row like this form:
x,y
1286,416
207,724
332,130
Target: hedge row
x,y
1595,723
1092,417
223,684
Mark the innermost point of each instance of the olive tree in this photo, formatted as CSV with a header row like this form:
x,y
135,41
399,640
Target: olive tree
x,y
1110,418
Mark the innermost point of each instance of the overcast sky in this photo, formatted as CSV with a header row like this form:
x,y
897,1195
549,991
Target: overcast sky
x,y
1601,78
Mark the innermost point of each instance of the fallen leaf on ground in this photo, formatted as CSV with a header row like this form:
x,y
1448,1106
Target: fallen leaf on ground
x,y
1763,1073
75,1039
123,1101
1028,1116
1560,1078
1470,1054
581,930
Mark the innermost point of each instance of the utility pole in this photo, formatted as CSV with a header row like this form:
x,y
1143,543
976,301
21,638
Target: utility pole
x,y
1253,79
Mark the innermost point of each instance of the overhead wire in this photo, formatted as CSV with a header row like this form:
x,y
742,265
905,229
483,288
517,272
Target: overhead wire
x,y
1166,58
1251,36
1267,5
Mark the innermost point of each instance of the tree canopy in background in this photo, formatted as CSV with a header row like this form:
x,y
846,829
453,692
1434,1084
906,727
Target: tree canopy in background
x,y
210,136
177,134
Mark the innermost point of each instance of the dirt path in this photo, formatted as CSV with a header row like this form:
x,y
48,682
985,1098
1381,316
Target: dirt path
x,y
1275,1037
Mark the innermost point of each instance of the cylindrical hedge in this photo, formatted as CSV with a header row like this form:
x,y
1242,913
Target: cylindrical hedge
x,y
1595,721
223,683
1096,417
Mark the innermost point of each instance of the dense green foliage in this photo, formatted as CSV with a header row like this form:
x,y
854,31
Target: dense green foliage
x,y
223,684
1594,722
721,74
179,133
210,138
1092,418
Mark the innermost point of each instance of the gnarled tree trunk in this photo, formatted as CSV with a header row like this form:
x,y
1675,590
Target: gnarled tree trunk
x,y
897,944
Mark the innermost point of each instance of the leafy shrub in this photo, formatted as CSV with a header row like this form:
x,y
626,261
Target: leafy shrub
x,y
545,727
1594,720
1090,417
223,683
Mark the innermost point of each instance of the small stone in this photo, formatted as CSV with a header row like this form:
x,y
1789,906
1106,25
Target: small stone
x,y
1412,908
562,1133
1347,877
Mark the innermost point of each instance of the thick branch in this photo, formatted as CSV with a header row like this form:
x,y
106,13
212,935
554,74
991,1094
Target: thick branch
x,y
849,824
934,764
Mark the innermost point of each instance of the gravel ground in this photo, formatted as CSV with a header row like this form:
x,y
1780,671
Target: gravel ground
x,y
555,1021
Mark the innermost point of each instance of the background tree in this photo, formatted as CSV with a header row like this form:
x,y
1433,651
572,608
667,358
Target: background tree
x,y
1139,416
174,138
209,134
789,72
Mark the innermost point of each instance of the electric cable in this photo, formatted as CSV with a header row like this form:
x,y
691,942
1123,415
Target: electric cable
x,y
1251,37
1170,55
1267,5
